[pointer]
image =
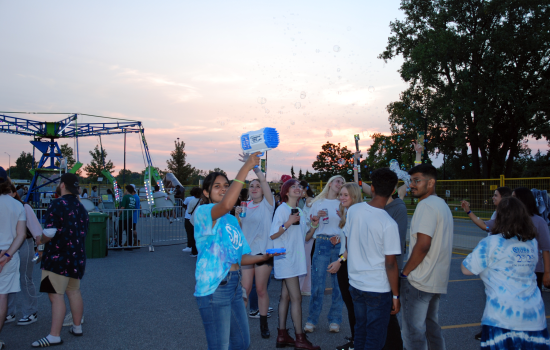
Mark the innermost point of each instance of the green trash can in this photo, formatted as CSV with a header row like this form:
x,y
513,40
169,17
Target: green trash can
x,y
96,239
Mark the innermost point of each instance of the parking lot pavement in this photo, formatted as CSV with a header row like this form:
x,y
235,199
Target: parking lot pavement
x,y
142,300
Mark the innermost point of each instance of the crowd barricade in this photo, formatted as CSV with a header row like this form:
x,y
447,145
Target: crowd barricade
x,y
167,225
128,228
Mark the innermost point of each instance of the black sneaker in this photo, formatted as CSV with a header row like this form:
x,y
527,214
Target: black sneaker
x,y
28,319
11,318
477,336
256,314
348,346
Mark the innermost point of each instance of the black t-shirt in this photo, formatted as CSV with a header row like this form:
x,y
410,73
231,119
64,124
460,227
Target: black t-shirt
x,y
65,254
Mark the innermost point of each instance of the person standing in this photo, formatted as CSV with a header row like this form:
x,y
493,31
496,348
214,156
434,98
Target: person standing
x,y
12,235
64,258
190,207
372,240
327,249
305,204
125,219
514,315
426,273
135,216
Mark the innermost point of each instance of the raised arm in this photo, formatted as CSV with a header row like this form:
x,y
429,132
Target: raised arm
x,y
233,192
261,177
480,223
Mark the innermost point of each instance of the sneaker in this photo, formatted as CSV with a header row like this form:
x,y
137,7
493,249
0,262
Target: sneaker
x,y
68,321
188,249
27,319
269,310
309,328
334,328
193,255
256,314
306,294
9,319
2,345
347,346
477,336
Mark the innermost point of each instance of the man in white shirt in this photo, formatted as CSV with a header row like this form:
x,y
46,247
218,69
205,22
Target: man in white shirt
x,y
372,241
426,273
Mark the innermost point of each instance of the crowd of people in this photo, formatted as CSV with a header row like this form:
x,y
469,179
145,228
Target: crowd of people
x,y
241,237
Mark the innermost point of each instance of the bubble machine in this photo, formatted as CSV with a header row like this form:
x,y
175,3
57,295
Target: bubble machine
x,y
260,140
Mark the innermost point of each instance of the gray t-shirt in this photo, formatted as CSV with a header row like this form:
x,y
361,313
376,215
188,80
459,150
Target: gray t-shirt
x,y
398,211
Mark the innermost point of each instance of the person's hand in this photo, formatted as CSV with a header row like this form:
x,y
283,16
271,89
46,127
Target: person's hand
x,y
417,147
268,256
322,213
334,267
3,259
546,279
293,218
252,160
465,205
238,210
314,220
395,307
338,213
335,240
244,157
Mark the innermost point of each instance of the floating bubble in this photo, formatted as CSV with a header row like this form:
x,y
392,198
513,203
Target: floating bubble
x,y
463,167
349,28
339,77
317,50
341,161
483,184
292,123
261,100
302,95
425,161
370,88
267,111
328,133
456,208
470,164
350,171
338,70
297,105
393,161
384,142
336,48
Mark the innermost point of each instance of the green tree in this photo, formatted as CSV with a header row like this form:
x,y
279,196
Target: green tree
x,y
177,165
68,153
300,175
96,164
292,173
23,165
479,70
333,160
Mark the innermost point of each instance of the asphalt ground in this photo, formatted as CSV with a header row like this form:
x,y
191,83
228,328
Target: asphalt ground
x,y
144,300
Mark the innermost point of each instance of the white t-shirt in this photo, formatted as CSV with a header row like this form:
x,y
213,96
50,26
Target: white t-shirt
x,y
256,225
186,202
432,217
193,204
11,212
507,268
330,229
371,235
293,263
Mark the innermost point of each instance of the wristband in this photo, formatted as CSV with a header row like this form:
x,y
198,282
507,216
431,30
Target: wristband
x,y
396,297
342,257
313,226
6,254
239,181
417,162
402,275
468,213
283,226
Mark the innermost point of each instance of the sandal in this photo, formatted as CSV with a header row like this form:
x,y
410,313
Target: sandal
x,y
44,342
71,330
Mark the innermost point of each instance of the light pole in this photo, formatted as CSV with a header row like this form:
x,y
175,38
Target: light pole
x,y
9,162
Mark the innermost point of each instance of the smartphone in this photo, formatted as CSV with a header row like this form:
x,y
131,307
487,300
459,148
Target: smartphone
x,y
294,211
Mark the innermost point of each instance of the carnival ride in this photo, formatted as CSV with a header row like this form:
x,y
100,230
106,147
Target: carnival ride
x,y
47,171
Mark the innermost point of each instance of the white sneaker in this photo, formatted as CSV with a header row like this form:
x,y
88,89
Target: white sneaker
x,y
9,319
188,249
334,328
68,321
309,328
193,255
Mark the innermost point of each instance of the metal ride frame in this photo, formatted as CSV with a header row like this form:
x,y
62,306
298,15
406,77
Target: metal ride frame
x,y
71,128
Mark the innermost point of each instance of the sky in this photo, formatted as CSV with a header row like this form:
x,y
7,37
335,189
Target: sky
x,y
204,72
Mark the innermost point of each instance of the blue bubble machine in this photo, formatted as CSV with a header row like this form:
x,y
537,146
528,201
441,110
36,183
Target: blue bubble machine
x,y
261,140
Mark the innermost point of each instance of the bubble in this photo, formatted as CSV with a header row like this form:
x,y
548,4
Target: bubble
x,y
483,184
349,28
297,105
393,161
292,39
470,164
339,77
371,89
425,161
261,100
338,70
463,167
336,48
215,150
456,208
302,95
267,111
328,133
350,171
255,118
341,161
384,142
317,50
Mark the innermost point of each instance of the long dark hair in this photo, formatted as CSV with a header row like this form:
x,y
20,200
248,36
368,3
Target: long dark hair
x,y
504,191
527,198
513,220
306,187
208,183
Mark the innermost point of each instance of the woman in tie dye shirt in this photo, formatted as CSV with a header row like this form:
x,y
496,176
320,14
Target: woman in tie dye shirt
x,y
514,316
222,249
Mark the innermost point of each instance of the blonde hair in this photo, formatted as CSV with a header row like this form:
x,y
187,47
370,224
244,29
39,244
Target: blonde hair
x,y
356,197
324,193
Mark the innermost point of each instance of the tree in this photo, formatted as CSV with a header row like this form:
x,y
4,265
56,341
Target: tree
x,y
68,153
218,170
333,160
23,165
300,175
478,75
177,164
131,177
98,163
292,173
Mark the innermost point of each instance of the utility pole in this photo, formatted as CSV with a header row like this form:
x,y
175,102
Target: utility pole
x,y
9,162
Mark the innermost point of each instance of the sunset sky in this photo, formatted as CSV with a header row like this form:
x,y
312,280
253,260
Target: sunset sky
x,y
200,71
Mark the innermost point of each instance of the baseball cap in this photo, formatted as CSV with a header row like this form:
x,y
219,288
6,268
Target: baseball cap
x,y
71,182
285,178
3,175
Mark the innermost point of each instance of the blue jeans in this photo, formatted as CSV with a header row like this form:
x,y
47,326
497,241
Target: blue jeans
x,y
324,254
420,319
372,316
224,315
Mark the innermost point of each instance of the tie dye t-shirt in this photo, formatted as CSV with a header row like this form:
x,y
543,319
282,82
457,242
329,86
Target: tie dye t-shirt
x,y
219,247
65,254
507,268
